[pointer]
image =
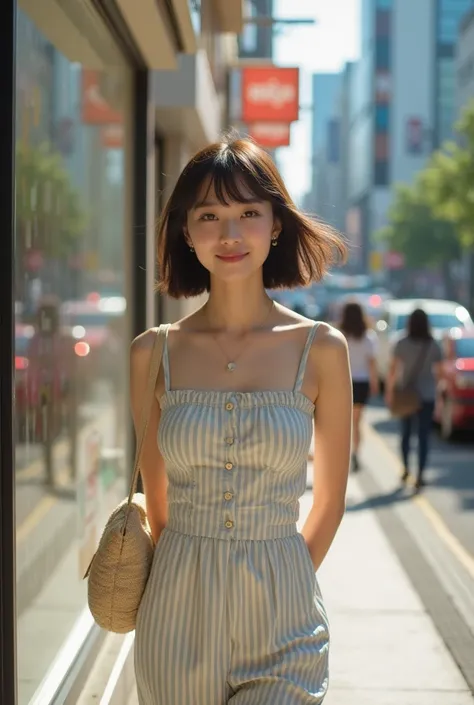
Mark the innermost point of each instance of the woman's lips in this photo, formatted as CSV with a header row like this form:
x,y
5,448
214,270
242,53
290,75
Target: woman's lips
x,y
232,258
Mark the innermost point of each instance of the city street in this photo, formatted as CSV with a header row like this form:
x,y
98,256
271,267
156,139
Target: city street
x,y
449,476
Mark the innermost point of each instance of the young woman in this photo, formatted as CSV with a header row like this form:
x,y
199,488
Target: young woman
x,y
232,612
361,343
416,356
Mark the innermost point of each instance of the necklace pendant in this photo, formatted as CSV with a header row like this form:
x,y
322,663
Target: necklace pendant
x,y
231,366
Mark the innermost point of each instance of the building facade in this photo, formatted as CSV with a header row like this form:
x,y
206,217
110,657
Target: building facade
x,y
104,102
403,105
325,137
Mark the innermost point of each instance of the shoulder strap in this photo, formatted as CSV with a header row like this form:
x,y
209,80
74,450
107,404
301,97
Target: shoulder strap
x,y
155,362
304,357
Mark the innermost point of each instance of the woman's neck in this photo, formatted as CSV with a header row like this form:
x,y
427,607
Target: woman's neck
x,y
237,308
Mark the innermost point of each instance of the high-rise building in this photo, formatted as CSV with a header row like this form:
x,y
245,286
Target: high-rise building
x,y
324,145
403,103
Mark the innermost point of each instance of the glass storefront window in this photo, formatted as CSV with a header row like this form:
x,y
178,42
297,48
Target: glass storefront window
x,y
71,318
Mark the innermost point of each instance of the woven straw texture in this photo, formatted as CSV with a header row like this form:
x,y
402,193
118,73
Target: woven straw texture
x,y
120,568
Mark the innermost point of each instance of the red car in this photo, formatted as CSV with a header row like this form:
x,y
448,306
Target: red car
x,y
455,394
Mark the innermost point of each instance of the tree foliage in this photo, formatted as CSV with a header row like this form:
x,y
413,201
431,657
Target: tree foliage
x,y
432,221
414,229
48,209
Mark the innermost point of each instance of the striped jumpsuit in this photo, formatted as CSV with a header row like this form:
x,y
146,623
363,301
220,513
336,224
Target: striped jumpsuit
x,y
232,612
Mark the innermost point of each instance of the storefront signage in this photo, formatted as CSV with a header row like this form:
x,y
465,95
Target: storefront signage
x,y
270,134
95,109
112,137
270,94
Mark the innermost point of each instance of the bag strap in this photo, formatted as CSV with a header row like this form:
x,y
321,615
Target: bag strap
x,y
155,362
419,362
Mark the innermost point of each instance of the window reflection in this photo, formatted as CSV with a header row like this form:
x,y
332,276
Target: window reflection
x,y
71,323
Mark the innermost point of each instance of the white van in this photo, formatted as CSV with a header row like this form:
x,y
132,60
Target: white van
x,y
392,324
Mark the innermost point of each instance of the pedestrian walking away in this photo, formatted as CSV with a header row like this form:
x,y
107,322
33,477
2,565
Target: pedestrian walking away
x,y
361,342
232,611
416,358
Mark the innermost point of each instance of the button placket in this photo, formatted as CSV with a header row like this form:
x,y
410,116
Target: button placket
x,y
228,494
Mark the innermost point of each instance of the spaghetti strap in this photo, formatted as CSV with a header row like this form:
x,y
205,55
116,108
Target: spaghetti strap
x,y
163,330
304,357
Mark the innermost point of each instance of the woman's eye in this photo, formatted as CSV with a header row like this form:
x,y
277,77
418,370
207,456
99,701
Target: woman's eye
x,y
208,216
251,214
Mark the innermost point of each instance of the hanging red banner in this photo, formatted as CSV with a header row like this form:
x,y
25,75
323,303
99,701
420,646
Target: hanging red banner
x,y
270,134
95,109
270,94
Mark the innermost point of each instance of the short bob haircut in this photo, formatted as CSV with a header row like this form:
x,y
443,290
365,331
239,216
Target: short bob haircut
x,y
306,247
418,325
353,322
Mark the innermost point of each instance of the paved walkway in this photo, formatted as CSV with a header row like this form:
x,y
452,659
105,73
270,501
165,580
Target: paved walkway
x,y
385,648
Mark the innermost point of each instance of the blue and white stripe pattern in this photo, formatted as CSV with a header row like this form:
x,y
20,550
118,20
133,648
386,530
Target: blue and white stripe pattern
x,y
232,612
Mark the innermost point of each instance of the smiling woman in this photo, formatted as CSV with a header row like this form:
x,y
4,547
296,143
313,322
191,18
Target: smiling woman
x,y
243,384
235,184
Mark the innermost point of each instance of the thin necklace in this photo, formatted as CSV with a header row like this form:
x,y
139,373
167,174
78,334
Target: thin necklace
x,y
231,364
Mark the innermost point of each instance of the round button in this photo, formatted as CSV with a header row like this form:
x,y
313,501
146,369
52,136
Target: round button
x,y
229,406
229,524
228,496
229,441
229,466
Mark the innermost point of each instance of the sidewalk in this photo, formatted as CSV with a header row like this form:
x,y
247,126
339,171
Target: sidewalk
x,y
385,649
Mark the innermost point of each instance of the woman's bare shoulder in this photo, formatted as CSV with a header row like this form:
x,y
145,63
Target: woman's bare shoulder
x,y
141,348
329,348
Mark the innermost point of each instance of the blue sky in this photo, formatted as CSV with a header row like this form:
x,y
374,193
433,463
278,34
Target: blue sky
x,y
323,47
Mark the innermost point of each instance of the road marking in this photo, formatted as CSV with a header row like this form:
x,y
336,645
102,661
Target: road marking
x,y
434,517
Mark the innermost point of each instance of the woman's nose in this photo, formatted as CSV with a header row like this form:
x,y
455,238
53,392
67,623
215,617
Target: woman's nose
x,y
231,230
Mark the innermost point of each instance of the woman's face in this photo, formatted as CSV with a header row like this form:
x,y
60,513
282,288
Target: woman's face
x,y
231,241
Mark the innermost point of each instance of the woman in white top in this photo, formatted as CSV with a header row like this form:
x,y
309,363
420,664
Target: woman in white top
x,y
361,343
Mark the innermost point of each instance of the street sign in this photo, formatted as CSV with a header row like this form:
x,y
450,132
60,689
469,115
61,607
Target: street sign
x,y
270,134
270,94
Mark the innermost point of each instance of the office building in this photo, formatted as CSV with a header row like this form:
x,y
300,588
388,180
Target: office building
x,y
403,104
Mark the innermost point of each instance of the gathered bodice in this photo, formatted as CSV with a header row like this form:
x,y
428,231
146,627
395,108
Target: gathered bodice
x,y
236,461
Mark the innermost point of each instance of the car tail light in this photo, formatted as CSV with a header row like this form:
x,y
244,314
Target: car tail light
x,y
21,363
82,349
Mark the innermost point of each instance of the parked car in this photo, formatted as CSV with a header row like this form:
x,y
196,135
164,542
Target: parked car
x,y
394,314
455,391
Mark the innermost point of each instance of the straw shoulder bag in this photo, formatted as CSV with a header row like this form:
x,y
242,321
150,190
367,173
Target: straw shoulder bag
x,y
119,569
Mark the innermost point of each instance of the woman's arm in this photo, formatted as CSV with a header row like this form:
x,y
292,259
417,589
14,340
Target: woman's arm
x,y
374,377
332,441
152,465
372,363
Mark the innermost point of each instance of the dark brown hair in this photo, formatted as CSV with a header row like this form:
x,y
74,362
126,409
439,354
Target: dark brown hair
x,y
353,322
306,247
418,325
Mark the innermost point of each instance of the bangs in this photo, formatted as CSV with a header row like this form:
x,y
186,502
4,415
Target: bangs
x,y
232,180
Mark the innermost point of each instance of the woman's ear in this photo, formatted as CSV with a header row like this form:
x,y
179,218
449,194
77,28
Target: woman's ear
x,y
277,227
187,239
